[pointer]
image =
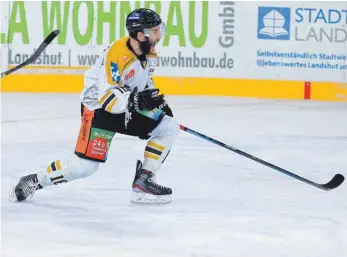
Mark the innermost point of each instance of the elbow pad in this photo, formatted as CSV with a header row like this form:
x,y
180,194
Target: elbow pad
x,y
115,100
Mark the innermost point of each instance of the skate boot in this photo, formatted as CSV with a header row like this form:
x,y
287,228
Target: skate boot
x,y
25,188
146,190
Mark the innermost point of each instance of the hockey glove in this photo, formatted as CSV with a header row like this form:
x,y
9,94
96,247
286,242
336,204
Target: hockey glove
x,y
160,102
145,100
163,105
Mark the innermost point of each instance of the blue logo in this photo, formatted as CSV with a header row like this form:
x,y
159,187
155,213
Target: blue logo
x,y
274,23
115,72
134,16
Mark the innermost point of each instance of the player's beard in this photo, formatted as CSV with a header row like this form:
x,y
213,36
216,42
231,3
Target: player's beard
x,y
146,46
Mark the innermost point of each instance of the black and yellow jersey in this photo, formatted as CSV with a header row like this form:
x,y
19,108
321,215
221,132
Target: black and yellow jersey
x,y
117,66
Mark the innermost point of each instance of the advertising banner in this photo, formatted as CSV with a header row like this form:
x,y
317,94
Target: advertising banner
x,y
282,40
301,40
195,37
261,41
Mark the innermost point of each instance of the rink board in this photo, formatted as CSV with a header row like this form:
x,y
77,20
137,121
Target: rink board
x,y
327,91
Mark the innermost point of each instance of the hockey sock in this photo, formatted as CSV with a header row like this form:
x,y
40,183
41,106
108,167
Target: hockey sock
x,y
62,171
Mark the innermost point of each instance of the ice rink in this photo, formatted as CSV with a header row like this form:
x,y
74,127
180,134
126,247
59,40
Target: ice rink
x,y
223,204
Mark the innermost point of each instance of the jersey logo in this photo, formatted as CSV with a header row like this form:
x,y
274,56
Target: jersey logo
x,y
130,74
115,72
153,63
134,16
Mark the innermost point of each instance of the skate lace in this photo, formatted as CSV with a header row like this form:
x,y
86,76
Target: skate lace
x,y
154,183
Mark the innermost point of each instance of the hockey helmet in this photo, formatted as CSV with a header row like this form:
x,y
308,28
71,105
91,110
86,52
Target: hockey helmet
x,y
142,19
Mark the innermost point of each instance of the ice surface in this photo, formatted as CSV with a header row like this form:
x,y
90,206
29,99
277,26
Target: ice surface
x,y
223,204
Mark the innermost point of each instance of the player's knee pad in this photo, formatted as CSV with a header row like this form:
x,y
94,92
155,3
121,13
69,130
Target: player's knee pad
x,y
86,168
167,127
159,146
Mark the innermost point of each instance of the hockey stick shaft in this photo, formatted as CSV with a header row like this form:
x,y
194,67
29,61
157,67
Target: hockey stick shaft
x,y
38,52
335,182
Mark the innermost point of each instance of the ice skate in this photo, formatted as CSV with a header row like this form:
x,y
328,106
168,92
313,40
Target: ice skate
x,y
146,190
25,188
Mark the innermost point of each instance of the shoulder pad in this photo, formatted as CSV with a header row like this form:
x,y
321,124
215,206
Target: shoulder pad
x,y
120,53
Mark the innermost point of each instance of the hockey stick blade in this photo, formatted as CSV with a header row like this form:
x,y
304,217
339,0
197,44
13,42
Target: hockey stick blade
x,y
336,181
38,52
333,183
51,36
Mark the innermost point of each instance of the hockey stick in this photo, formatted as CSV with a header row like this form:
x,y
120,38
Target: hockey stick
x,y
33,58
333,183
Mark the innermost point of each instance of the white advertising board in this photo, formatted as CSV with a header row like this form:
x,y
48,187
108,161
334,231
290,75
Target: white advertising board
x,y
256,40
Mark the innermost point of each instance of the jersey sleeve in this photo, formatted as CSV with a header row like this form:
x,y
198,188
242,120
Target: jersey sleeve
x,y
115,97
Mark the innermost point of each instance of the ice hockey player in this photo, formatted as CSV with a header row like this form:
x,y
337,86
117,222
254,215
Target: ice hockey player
x,y
119,96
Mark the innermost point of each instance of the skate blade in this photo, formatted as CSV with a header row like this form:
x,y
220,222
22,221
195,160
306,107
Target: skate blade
x,y
12,196
144,198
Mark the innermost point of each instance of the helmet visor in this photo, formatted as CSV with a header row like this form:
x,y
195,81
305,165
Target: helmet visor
x,y
159,30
